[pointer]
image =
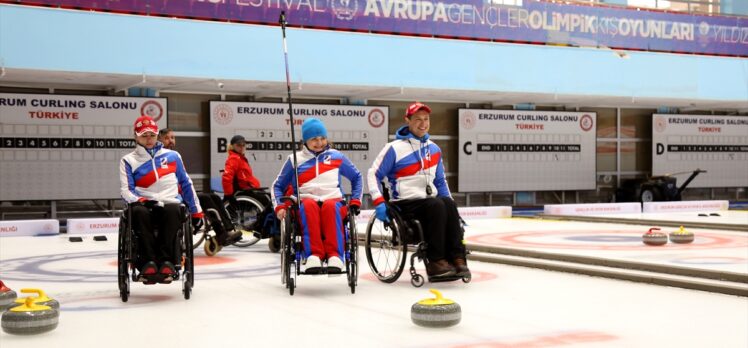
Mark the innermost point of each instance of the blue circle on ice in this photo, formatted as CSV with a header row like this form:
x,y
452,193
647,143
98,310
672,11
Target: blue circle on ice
x,y
605,239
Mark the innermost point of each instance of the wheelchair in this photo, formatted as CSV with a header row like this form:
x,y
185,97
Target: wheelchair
x,y
254,216
387,245
250,215
127,256
292,248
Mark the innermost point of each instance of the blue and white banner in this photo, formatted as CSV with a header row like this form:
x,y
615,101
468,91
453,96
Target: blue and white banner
x,y
535,22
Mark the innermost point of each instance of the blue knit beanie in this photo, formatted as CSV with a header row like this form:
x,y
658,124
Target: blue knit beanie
x,y
311,128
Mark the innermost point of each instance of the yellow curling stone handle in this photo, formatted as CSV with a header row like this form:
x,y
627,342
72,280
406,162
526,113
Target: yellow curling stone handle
x,y
439,300
40,296
30,306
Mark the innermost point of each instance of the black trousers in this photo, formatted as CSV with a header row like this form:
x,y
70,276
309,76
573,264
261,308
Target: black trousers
x,y
211,201
166,219
441,225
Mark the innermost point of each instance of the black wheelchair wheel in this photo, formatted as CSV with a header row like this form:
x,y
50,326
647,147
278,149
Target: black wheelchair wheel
x,y
385,249
352,261
188,279
245,216
198,237
123,277
288,252
274,243
201,235
212,247
417,280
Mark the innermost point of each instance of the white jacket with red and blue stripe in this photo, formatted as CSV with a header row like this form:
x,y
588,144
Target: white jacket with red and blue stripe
x,y
157,174
319,177
410,164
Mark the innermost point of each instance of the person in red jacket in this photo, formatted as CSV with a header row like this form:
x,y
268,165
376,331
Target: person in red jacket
x,y
237,174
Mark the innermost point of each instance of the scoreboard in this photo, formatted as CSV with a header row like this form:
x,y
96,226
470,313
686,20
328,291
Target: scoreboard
x,y
360,132
513,150
55,147
715,143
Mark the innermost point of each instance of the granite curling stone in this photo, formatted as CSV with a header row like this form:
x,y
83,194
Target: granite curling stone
x,y
681,236
7,297
30,318
436,312
40,299
654,237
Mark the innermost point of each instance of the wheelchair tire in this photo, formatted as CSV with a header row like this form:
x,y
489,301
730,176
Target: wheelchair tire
x,y
212,247
123,277
274,244
245,218
288,253
417,280
198,239
352,259
188,273
385,249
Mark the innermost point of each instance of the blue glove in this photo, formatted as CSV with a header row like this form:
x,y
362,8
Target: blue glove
x,y
381,212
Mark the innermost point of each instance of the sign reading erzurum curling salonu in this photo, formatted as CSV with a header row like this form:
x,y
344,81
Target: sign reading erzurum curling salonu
x,y
67,146
513,150
715,143
534,21
360,132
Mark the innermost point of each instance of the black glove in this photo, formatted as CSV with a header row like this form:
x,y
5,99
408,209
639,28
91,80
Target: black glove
x,y
355,210
197,223
150,204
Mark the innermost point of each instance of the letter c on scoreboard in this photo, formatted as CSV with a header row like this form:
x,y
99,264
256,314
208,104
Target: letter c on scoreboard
x,y
465,148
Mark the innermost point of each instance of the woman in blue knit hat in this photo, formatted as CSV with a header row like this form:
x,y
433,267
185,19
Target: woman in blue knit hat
x,y
321,196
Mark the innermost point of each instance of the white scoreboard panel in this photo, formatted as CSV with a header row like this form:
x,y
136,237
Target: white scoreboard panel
x,y
512,150
55,147
360,132
717,144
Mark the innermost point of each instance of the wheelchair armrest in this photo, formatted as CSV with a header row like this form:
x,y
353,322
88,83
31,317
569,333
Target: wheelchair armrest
x,y
291,199
184,211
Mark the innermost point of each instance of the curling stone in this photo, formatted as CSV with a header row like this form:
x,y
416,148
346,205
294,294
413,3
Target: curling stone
x,y
30,318
654,237
40,299
436,312
7,296
681,236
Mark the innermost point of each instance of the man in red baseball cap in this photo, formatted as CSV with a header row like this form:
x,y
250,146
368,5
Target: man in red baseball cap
x,y
413,166
154,183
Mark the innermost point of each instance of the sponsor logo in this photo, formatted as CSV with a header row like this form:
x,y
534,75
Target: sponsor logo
x,y
586,123
376,118
344,9
468,120
660,124
103,226
152,108
223,114
9,229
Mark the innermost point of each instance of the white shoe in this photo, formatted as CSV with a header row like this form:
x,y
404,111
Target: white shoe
x,y
335,265
313,264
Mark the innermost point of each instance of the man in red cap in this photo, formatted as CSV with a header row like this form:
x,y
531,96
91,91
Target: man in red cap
x,y
413,167
154,182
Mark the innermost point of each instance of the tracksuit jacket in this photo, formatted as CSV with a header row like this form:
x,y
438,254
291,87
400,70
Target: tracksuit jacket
x,y
409,164
237,174
159,175
319,179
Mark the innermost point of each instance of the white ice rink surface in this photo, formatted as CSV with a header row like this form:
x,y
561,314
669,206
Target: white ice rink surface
x,y
238,301
732,217
716,250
